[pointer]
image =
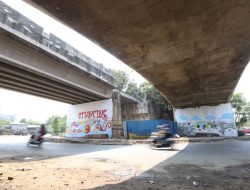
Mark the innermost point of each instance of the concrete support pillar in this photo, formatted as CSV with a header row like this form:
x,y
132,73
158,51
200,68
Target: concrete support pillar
x,y
117,129
206,121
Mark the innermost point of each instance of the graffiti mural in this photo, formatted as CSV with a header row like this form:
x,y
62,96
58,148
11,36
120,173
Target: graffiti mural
x,y
216,120
90,119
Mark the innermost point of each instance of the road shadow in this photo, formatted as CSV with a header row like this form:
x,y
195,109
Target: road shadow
x,y
205,166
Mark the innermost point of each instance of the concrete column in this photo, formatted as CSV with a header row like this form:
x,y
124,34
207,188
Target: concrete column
x,y
206,121
117,129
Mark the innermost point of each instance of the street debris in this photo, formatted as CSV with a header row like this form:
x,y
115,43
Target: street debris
x,y
28,158
245,170
151,182
195,183
23,169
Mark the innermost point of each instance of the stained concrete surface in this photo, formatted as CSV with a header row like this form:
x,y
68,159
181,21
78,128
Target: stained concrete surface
x,y
194,52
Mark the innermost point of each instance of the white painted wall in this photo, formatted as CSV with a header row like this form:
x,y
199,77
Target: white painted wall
x,y
90,118
206,119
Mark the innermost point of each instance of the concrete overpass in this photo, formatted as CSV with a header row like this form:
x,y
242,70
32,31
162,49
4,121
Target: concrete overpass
x,y
193,51
43,65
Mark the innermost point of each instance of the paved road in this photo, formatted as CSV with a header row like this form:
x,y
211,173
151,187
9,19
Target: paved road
x,y
15,149
218,165
16,146
218,154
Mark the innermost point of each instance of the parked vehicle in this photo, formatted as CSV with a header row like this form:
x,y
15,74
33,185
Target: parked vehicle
x,y
33,128
246,130
15,129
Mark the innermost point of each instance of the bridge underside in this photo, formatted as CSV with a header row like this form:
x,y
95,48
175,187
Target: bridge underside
x,y
193,51
28,69
20,80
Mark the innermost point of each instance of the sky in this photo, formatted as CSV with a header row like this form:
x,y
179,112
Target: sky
x,y
31,107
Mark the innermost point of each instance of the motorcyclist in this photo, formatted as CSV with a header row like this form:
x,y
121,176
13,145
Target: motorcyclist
x,y
41,132
38,135
163,133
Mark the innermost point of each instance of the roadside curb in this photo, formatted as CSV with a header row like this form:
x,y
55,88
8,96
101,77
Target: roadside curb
x,y
147,141
89,141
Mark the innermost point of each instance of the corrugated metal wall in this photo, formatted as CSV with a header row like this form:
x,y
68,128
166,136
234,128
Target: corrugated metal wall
x,y
146,127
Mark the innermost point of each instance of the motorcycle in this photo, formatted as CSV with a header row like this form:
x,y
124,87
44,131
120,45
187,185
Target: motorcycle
x,y
37,137
162,142
34,141
162,138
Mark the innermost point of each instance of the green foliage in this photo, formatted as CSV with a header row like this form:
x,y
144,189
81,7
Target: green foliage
x,y
149,92
146,92
29,122
133,90
23,120
4,122
242,109
56,124
143,92
247,123
121,79
238,102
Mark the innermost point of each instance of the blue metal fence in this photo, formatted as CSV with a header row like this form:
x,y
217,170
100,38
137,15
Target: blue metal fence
x,y
146,127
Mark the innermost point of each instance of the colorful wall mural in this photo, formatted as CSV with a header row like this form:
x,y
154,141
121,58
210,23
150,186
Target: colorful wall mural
x,y
90,119
217,120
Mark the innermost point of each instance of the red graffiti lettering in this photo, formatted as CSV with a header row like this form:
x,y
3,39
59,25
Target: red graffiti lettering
x,y
93,114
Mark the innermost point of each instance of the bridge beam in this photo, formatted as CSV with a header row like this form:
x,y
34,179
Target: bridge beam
x,y
31,70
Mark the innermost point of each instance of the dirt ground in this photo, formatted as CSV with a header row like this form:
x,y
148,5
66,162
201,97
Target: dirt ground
x,y
121,168
54,174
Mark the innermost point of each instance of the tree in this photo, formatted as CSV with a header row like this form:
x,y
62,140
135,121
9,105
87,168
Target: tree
x,y
62,124
23,120
238,102
133,90
56,124
4,122
121,79
241,108
50,120
143,92
29,122
245,114
149,92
